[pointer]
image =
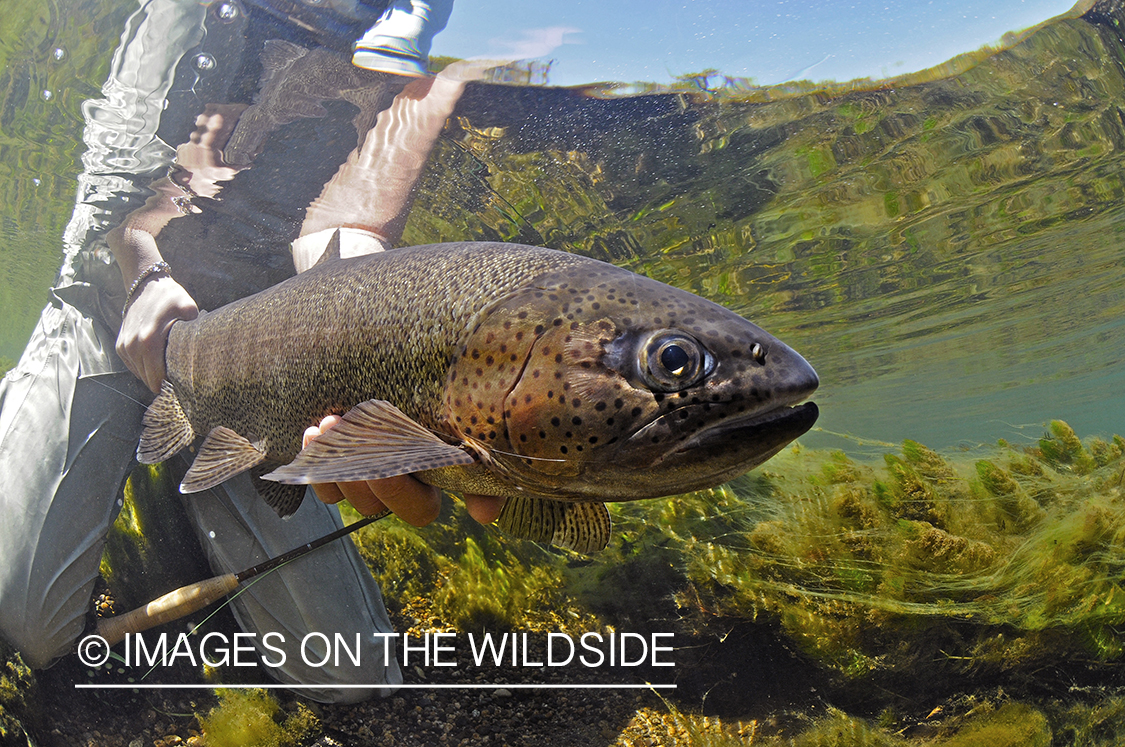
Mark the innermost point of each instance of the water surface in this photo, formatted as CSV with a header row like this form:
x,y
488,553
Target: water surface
x,y
947,254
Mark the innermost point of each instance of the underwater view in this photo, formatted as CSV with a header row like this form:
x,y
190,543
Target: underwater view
x,y
938,560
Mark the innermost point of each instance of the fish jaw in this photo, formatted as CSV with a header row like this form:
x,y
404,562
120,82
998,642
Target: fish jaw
x,y
721,431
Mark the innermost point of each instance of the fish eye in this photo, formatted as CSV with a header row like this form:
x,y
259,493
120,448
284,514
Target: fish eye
x,y
670,361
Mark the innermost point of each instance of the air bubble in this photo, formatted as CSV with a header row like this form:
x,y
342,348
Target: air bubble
x,y
46,95
227,12
59,54
204,62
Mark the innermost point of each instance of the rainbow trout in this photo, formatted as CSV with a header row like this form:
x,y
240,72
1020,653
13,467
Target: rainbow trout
x,y
558,381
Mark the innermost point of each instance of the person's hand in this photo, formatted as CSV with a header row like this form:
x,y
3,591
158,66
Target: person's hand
x,y
413,501
157,304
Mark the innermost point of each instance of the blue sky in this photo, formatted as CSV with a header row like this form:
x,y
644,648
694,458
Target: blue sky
x,y
771,41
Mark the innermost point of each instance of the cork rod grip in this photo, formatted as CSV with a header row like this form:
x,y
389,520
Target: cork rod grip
x,y
173,605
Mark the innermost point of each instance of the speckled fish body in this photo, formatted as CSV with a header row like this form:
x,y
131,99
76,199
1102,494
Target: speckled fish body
x,y
490,368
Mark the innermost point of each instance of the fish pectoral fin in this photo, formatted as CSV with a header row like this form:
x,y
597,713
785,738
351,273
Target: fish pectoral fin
x,y
166,428
285,499
582,527
223,455
373,441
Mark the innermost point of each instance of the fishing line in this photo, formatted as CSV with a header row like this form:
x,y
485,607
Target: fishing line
x,y
95,378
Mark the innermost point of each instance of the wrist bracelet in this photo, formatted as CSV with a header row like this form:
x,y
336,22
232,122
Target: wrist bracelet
x,y
152,269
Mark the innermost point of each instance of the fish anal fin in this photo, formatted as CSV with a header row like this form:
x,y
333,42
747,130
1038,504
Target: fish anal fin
x,y
166,428
223,455
582,527
284,499
373,441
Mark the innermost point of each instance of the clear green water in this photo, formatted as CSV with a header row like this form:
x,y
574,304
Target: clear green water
x,y
947,254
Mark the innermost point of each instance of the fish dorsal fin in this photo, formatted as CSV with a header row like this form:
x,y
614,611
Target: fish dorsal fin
x,y
373,441
582,527
332,251
166,428
223,455
285,499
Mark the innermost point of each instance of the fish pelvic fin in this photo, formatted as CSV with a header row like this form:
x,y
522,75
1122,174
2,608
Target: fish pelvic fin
x,y
373,441
223,455
332,251
284,499
582,527
166,428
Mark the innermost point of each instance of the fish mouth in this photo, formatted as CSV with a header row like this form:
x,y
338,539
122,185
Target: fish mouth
x,y
770,429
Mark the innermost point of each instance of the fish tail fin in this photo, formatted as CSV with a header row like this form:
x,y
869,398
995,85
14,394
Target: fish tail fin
x,y
166,428
582,527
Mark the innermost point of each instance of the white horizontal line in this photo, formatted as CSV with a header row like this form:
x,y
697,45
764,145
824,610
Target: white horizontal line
x,y
380,686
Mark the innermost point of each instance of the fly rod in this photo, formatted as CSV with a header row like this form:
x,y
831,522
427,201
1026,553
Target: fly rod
x,y
188,599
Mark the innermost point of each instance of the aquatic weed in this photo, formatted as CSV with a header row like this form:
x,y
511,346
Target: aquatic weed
x,y
253,718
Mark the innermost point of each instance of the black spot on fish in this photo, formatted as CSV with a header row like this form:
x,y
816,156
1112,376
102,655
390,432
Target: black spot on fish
x,y
618,403
540,329
562,449
636,411
599,406
555,422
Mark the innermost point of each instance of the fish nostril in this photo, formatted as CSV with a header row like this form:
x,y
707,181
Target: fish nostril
x,y
758,353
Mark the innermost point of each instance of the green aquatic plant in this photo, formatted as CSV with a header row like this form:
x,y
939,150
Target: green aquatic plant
x,y
18,696
151,548
992,565
467,576
254,718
